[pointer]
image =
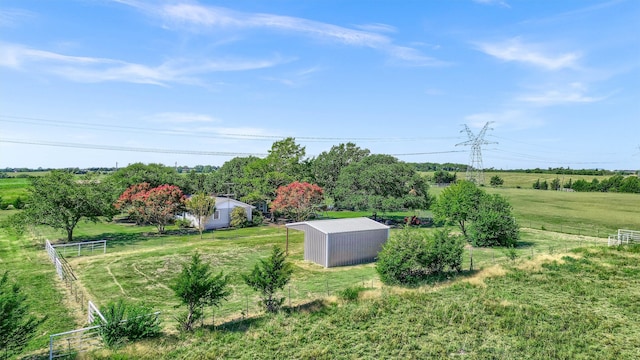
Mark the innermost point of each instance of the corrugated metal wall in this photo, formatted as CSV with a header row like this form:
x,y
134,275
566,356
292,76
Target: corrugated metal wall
x,y
355,247
315,245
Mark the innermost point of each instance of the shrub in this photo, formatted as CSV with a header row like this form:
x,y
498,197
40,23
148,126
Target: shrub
x,y
268,277
127,322
183,223
402,258
493,224
413,255
351,293
196,287
256,217
239,217
17,325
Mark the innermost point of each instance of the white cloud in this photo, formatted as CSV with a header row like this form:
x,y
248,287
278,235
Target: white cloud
x,y
533,54
88,69
12,17
181,118
201,18
493,2
377,27
574,93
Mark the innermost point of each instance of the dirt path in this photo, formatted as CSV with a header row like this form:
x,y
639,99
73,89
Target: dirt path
x,y
114,278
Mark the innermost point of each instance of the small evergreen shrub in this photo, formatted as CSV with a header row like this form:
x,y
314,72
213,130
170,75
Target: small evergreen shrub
x,y
127,322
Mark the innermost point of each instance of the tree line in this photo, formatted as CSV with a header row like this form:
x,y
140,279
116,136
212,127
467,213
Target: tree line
x,y
345,177
616,183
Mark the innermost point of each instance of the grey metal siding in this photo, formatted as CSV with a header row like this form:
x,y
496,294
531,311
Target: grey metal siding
x,y
353,248
315,246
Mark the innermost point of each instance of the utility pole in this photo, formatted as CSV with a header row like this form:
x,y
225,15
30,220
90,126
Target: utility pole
x,y
475,170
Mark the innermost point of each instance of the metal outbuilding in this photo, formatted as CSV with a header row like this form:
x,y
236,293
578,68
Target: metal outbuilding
x,y
340,242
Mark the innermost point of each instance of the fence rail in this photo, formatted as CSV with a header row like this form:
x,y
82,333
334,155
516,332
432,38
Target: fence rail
x,y
624,237
82,247
70,343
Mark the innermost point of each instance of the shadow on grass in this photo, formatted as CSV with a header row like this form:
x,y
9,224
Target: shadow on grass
x,y
243,325
437,279
123,239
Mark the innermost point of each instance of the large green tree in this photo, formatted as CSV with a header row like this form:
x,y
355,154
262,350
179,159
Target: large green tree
x,y
232,177
17,326
458,203
381,182
196,287
327,166
153,174
60,200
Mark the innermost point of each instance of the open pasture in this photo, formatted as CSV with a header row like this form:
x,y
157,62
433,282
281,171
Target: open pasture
x,y
525,180
12,188
589,213
141,266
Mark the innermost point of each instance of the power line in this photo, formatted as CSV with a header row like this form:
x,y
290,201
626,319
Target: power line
x,y
201,134
128,148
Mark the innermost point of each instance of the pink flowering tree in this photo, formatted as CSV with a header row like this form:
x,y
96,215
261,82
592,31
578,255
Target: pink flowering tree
x,y
157,206
298,200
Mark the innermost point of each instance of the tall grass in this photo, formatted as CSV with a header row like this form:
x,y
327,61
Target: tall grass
x,y
582,306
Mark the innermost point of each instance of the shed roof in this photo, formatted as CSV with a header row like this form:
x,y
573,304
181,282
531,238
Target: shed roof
x,y
335,226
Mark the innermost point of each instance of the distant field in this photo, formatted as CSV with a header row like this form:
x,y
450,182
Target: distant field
x,y
590,213
582,213
526,180
12,188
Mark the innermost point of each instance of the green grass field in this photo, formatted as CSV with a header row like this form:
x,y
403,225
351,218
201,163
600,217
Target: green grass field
x,y
592,213
583,305
525,180
12,188
523,305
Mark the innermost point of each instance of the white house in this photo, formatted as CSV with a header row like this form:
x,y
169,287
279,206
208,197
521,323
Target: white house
x,y
222,217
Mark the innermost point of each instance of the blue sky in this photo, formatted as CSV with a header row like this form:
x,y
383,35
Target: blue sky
x,y
97,82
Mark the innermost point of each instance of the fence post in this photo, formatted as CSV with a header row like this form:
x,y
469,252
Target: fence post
x,y
79,247
471,259
50,347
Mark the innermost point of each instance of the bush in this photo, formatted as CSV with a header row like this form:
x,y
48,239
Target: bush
x,y
239,218
351,293
493,224
127,322
183,223
402,258
256,217
413,255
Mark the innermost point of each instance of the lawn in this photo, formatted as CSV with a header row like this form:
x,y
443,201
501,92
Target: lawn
x,y
579,305
140,266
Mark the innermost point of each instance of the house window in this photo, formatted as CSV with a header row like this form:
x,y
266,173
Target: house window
x,y
216,215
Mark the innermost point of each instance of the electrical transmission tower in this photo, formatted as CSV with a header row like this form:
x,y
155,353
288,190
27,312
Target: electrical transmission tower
x,y
475,170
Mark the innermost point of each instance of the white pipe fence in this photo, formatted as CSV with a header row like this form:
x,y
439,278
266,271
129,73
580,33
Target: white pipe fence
x,y
70,343
624,237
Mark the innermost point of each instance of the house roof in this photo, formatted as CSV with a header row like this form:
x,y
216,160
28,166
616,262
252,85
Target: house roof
x,y
224,203
335,226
